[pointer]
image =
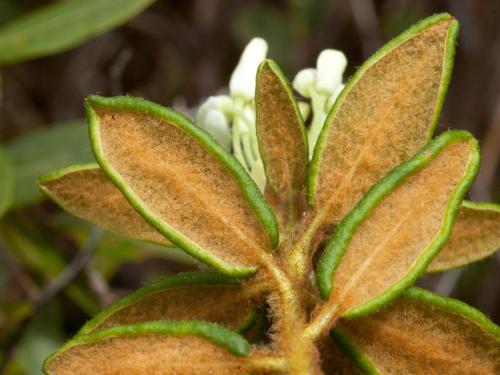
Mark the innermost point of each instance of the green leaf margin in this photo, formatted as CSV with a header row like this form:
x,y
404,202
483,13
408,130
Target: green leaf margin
x,y
451,305
336,247
448,61
250,190
233,342
268,63
58,173
182,279
481,206
16,47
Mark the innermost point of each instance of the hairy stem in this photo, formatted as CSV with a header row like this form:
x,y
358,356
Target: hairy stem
x,y
300,351
322,322
300,254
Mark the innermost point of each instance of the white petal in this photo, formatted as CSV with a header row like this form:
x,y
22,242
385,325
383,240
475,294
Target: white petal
x,y
333,97
258,174
331,65
219,102
242,83
304,81
305,110
216,124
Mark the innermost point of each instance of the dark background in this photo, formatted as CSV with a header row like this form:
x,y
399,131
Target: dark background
x,y
179,52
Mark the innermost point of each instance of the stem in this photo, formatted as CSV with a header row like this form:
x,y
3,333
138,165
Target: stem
x,y
300,253
300,350
322,322
238,152
268,363
292,213
318,103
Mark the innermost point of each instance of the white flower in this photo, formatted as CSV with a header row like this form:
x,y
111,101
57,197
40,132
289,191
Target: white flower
x,y
231,119
213,117
242,83
322,85
305,81
330,66
216,124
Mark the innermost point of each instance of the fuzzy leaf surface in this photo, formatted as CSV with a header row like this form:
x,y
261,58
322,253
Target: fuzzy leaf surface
x,y
334,361
423,333
182,182
391,236
190,296
85,191
386,113
281,133
475,235
164,347
65,24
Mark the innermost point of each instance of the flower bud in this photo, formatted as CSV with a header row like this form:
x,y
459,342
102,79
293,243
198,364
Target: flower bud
x,y
242,83
331,65
217,125
304,82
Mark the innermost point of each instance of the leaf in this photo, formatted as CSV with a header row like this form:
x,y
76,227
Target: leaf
x,y
334,361
423,333
475,235
63,25
386,113
86,192
189,296
6,182
391,236
281,134
182,182
44,150
161,347
41,337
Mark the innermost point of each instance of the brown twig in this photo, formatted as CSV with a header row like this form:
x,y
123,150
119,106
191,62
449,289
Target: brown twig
x,y
99,286
78,263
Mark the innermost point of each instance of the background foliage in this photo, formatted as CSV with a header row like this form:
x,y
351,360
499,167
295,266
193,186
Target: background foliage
x,y
177,53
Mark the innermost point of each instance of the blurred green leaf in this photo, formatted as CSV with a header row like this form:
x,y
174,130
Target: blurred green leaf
x,y
29,247
60,26
266,21
43,151
11,314
395,22
43,336
313,12
8,10
6,182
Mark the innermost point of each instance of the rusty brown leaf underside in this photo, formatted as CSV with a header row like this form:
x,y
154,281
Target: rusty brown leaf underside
x,y
282,137
86,192
180,192
389,194
395,240
424,333
156,354
386,114
189,296
476,235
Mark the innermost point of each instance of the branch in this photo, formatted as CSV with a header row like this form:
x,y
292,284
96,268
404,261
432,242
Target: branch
x,y
78,263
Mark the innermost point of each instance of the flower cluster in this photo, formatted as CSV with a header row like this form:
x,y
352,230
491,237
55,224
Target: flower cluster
x,y
231,118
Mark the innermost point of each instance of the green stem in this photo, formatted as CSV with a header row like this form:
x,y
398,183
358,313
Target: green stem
x,y
318,103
